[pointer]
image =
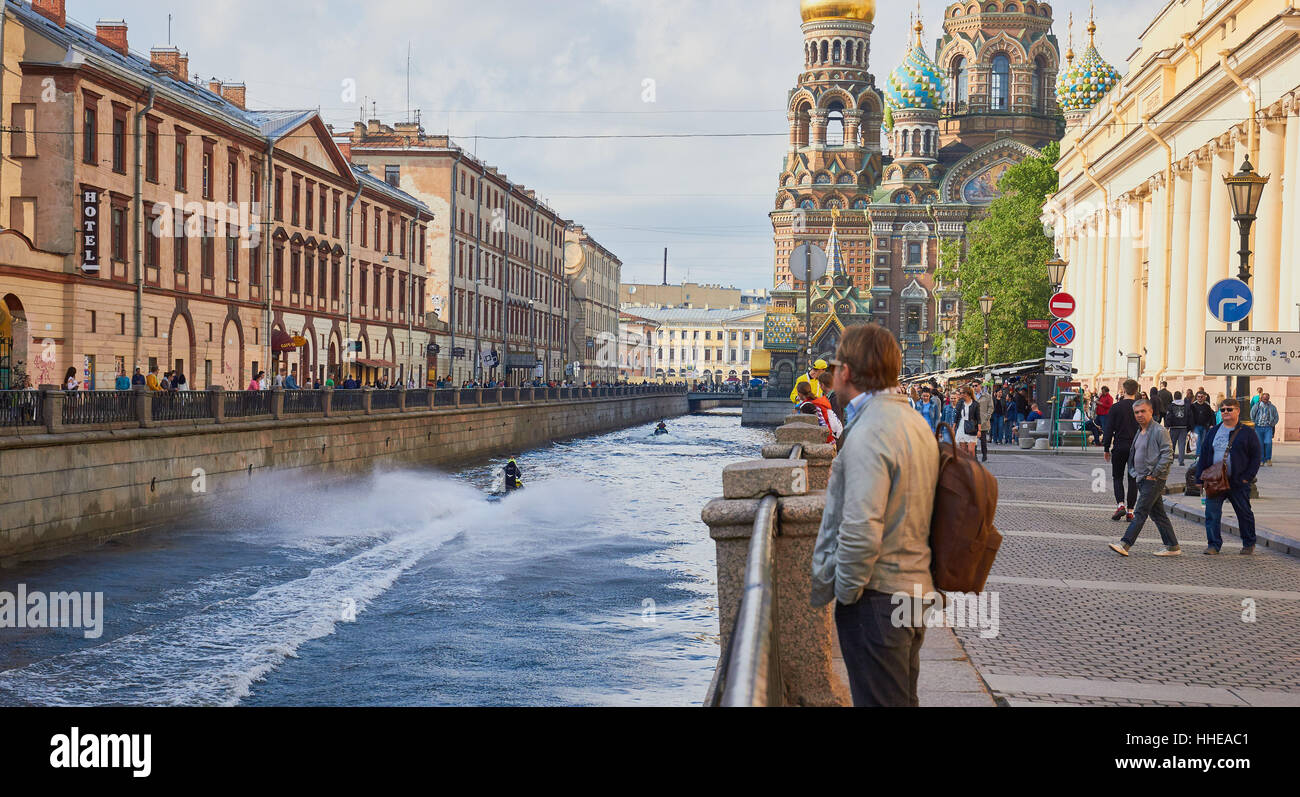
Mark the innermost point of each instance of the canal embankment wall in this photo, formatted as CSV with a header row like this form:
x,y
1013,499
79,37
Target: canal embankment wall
x,y
74,488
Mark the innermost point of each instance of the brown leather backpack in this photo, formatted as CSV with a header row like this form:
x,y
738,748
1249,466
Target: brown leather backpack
x,y
963,540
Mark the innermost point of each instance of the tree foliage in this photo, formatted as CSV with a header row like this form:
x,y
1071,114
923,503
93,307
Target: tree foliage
x,y
1006,256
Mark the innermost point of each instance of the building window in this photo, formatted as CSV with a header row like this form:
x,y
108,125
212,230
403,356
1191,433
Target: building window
x,y
232,180
232,254
361,286
295,203
119,234
323,201
363,225
208,257
153,243
90,134
207,175
151,154
913,319
309,277
336,216
119,144
279,198
914,253
180,245
255,266
882,277
311,204
295,272
393,176
277,266
1000,83
960,77
180,162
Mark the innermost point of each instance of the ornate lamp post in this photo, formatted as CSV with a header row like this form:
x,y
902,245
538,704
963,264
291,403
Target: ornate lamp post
x,y
986,307
1056,271
948,323
1245,188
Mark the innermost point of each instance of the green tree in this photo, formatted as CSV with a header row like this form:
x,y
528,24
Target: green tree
x,y
1006,256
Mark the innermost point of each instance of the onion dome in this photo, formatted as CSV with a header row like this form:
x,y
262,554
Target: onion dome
x,y
1082,85
917,83
815,10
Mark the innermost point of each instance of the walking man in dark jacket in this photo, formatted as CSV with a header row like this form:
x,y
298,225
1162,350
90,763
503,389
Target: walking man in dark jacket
x,y
1239,446
1119,437
1202,417
1178,418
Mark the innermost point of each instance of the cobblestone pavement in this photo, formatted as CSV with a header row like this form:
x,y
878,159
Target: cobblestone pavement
x,y
1080,625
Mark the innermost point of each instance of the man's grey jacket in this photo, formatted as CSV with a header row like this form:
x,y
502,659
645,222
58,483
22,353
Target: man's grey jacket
x,y
875,531
1152,453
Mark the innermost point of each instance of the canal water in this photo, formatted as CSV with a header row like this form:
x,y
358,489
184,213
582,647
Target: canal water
x,y
595,585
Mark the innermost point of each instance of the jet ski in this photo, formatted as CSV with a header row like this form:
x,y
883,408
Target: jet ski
x,y
662,428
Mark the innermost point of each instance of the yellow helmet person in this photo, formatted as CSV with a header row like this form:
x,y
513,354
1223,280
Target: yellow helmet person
x,y
811,378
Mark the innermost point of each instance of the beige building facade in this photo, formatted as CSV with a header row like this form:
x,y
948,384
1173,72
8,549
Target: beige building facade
x,y
594,275
156,221
1143,215
705,345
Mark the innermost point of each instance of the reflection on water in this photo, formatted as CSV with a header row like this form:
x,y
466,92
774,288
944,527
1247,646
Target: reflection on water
x,y
594,585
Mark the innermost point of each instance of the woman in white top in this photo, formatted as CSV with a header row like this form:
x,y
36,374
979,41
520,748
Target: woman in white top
x,y
70,382
969,412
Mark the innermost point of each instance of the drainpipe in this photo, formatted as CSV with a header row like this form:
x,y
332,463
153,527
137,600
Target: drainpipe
x,y
1169,231
1187,40
1252,124
1105,245
137,253
352,203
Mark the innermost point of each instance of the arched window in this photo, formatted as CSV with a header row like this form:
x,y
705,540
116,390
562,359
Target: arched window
x,y
1040,85
1000,84
916,142
836,52
825,51
835,126
959,77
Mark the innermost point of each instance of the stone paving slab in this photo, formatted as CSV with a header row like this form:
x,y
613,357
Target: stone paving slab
x,y
947,676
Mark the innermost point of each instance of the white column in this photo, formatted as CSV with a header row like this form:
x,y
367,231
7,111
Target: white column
x,y
1177,328
1089,332
1265,269
1128,297
1156,299
1119,242
1288,285
1198,229
1219,258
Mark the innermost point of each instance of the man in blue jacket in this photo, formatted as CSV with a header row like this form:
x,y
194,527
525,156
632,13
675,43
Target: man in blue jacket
x,y
1240,447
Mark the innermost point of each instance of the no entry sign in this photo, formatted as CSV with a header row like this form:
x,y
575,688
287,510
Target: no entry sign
x,y
1061,305
1061,333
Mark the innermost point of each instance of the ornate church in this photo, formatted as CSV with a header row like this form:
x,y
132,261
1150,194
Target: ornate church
x,y
882,176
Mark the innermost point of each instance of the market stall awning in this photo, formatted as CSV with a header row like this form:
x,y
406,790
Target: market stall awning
x,y
377,363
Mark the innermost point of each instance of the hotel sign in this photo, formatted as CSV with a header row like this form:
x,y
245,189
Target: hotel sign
x,y
90,230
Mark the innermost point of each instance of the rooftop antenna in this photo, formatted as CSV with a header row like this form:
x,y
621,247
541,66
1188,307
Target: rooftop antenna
x,y
408,82
169,30
665,265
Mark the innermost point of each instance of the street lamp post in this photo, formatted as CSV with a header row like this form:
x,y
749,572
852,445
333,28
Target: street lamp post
x,y
986,307
1056,271
1245,188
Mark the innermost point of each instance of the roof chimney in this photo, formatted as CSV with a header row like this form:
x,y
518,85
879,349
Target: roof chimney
x,y
183,68
214,86
166,59
53,10
234,94
112,34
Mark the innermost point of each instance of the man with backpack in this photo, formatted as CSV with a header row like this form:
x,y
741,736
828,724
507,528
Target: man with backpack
x,y
1178,419
874,540
1119,436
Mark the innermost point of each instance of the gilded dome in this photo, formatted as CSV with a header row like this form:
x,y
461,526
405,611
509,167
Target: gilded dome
x,y
864,10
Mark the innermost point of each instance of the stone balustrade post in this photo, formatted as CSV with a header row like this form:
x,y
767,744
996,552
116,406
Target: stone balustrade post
x,y
478,396
52,398
367,399
500,391
144,406
433,398
217,403
326,400
277,402
401,397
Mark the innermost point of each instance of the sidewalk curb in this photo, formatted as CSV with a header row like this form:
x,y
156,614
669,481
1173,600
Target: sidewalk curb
x,y
1264,536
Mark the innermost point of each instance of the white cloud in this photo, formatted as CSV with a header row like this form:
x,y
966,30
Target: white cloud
x,y
561,67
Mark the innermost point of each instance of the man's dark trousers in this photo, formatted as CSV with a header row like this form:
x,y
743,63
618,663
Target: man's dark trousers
x,y
1239,497
883,661
1150,503
1119,472
984,444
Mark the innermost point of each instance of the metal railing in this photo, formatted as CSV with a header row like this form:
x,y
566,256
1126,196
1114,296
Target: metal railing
x,y
301,402
21,408
417,399
381,400
179,405
247,403
443,397
82,407
342,401
749,672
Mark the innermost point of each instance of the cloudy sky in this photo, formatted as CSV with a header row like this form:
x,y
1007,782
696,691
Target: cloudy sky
x,y
508,69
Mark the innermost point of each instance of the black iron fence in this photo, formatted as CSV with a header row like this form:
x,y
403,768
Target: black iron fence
x,y
98,406
179,405
381,400
417,399
247,403
303,402
21,408
444,397
344,401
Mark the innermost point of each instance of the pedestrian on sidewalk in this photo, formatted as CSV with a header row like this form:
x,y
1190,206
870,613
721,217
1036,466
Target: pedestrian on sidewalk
x,y
1177,418
1166,399
1104,403
1119,437
1265,416
874,540
926,407
968,422
1243,454
1202,418
1152,454
986,414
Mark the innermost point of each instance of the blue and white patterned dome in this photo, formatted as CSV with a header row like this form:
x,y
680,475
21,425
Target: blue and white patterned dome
x,y
917,83
1082,85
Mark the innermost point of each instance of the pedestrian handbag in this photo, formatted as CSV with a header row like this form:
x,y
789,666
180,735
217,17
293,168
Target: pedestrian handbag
x,y
971,426
1214,479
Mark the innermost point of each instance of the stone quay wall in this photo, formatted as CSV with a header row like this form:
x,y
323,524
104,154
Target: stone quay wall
x,y
73,488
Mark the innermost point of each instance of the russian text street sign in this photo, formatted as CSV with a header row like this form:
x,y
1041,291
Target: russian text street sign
x,y
1252,353
1039,324
1061,333
1055,355
1061,305
1230,301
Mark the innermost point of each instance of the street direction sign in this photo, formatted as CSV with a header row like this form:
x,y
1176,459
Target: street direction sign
x,y
1058,369
1230,301
1061,305
1061,333
1039,324
1055,355
1271,354
799,261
